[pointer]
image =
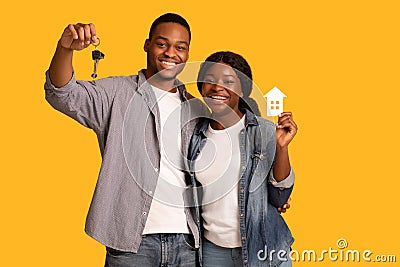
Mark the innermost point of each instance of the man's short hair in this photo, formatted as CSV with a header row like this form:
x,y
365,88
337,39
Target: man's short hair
x,y
170,17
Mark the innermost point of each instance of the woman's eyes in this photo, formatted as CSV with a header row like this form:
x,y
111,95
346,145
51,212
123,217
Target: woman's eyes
x,y
228,82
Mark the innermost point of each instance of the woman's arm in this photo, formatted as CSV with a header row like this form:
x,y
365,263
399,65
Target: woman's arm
x,y
286,129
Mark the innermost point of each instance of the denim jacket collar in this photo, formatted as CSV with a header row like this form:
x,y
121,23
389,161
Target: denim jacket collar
x,y
250,120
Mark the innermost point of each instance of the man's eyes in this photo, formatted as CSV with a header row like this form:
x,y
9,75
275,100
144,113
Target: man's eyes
x,y
179,48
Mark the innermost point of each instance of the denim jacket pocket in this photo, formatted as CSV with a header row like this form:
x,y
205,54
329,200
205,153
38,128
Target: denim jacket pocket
x,y
259,172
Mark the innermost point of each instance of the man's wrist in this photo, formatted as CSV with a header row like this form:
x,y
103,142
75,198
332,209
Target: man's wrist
x,y
63,49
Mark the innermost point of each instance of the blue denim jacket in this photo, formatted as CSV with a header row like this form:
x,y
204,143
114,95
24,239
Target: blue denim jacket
x,y
263,230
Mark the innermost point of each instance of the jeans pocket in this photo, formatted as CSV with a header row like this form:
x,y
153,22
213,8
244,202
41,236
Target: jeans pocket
x,y
116,253
188,240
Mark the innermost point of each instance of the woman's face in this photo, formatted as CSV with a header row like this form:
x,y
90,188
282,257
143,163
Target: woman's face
x,y
222,89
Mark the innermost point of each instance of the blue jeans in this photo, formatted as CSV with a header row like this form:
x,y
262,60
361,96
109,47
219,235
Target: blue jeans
x,y
157,250
216,256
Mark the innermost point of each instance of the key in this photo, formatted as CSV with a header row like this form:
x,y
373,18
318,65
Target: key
x,y
96,56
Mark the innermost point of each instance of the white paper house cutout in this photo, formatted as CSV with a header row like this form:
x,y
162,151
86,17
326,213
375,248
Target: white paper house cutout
x,y
274,102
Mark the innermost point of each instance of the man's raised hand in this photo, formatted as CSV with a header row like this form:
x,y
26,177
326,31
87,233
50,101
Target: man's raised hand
x,y
78,36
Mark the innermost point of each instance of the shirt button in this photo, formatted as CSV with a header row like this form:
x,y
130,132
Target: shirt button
x,y
156,169
241,214
150,193
241,190
243,238
245,261
144,213
244,167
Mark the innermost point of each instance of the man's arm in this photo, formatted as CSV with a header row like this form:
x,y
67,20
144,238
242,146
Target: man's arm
x,y
74,37
85,101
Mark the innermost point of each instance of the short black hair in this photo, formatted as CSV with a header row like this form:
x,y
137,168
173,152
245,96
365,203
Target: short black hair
x,y
170,17
243,71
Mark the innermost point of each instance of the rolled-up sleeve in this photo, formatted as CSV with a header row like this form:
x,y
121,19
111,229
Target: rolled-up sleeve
x,y
288,182
86,102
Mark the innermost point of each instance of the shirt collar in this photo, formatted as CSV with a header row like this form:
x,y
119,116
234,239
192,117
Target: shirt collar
x,y
144,85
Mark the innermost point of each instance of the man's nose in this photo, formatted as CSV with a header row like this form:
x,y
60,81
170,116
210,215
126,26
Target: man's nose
x,y
170,51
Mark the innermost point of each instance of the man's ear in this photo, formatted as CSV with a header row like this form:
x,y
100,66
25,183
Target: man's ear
x,y
146,45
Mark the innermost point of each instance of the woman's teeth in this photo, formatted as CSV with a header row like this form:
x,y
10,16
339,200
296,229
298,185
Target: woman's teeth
x,y
218,97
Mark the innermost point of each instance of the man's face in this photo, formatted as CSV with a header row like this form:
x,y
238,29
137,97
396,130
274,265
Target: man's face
x,y
168,47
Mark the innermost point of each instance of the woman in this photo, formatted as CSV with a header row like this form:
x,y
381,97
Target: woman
x,y
242,164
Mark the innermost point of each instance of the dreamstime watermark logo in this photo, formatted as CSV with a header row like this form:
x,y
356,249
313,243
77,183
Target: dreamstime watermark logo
x,y
339,254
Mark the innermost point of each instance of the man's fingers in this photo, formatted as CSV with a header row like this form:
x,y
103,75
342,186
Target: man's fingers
x,y
72,30
81,32
88,34
93,31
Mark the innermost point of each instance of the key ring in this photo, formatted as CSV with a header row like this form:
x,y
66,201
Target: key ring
x,y
97,43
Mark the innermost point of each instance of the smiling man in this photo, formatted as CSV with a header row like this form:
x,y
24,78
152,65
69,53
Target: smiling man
x,y
125,215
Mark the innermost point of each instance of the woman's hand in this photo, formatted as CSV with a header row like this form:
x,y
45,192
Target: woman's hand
x,y
286,129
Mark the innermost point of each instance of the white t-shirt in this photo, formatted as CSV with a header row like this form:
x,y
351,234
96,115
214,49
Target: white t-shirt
x,y
166,213
217,169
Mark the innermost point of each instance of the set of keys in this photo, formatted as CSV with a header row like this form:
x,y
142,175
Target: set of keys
x,y
96,56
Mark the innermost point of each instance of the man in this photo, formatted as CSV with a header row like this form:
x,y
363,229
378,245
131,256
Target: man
x,y
128,115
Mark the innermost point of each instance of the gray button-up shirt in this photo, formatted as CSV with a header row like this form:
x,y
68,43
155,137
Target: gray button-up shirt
x,y
123,113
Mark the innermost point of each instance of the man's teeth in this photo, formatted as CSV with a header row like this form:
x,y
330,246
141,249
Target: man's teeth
x,y
218,97
168,63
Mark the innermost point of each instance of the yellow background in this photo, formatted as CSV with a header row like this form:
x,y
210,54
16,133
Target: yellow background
x,y
337,61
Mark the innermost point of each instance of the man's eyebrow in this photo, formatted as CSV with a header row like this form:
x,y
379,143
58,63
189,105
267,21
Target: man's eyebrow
x,y
166,39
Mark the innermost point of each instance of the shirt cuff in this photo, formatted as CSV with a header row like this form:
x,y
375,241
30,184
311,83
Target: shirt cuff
x,y
63,89
285,183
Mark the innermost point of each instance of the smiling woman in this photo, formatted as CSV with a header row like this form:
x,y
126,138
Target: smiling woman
x,y
234,152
